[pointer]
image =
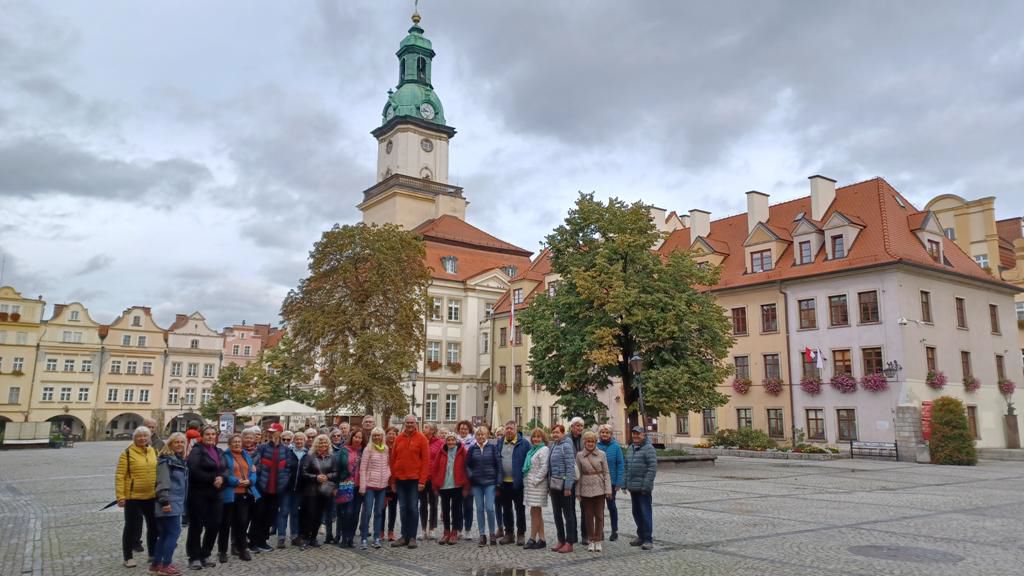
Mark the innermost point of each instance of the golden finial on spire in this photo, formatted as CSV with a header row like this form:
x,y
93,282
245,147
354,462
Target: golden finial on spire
x,y
416,12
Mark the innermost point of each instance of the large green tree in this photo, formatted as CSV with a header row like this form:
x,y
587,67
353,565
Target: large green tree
x,y
618,297
358,316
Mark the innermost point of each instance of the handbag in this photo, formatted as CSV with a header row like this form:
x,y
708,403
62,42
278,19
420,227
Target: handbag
x,y
557,483
346,491
328,487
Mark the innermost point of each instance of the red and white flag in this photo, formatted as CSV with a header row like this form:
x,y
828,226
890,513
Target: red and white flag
x,y
808,355
512,323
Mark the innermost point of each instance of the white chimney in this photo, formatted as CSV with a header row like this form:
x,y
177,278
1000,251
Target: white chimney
x,y
658,216
757,209
823,192
700,223
685,219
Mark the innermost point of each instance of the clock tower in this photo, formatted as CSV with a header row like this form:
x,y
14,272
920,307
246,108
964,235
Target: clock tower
x,y
412,146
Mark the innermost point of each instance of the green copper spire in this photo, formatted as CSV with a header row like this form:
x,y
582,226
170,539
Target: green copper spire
x,y
414,96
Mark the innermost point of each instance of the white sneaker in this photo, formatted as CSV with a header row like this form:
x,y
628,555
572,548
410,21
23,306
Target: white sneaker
x,y
430,534
591,547
130,563
468,536
597,547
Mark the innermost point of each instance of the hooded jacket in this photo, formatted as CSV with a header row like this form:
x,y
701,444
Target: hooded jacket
x,y
135,478
616,462
171,485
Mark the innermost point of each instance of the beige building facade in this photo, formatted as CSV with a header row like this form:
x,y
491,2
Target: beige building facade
x,y
132,373
194,353
20,328
67,373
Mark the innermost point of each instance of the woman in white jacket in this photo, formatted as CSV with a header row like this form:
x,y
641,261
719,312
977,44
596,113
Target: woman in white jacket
x,y
535,487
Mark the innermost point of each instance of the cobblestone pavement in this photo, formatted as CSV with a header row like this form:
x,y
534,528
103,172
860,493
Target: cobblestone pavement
x,y
741,517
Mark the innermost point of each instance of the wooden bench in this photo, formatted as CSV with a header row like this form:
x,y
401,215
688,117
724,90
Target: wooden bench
x,y
887,450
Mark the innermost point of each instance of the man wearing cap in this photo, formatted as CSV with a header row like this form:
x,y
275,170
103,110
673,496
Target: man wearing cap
x,y
272,482
641,467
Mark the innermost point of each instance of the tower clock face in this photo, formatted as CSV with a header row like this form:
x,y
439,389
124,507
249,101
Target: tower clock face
x,y
427,145
427,111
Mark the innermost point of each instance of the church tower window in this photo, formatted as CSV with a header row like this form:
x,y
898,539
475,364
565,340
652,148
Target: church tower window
x,y
421,69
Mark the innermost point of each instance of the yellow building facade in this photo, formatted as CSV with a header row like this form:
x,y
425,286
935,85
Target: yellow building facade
x,y
134,351
20,328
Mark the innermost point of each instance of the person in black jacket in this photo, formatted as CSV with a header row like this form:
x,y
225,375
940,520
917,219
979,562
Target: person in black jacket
x,y
207,475
319,475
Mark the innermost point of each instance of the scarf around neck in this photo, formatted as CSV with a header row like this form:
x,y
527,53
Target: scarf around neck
x,y
529,457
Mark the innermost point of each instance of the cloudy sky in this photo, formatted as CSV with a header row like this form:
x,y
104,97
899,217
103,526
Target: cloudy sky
x,y
185,155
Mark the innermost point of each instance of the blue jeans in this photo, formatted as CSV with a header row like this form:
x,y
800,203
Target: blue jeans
x,y
169,528
484,497
288,512
613,510
373,503
408,507
643,515
348,517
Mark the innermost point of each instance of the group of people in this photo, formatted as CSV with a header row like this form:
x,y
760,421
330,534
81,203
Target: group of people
x,y
278,483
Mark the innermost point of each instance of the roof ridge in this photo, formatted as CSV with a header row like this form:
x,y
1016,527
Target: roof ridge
x,y
886,240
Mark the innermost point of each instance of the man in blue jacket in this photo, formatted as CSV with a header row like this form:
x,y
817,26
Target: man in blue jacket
x,y
272,463
510,497
641,468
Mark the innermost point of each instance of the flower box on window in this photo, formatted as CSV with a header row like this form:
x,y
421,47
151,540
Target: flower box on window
x,y
773,386
455,367
811,385
971,384
935,379
844,383
1006,386
433,365
741,385
875,382
15,317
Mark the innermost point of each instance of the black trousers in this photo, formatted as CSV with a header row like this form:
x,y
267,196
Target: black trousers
x,y
511,501
205,512
451,509
564,509
135,512
233,523
313,506
263,518
428,507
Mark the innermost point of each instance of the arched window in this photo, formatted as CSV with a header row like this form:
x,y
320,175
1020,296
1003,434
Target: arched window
x,y
421,69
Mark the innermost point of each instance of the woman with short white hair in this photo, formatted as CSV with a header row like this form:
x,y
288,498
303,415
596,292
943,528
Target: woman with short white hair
x,y
135,489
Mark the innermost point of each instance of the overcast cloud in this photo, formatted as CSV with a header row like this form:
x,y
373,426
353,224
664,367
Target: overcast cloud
x,y
186,155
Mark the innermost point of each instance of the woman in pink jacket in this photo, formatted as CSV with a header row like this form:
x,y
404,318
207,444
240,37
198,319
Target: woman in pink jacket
x,y
374,474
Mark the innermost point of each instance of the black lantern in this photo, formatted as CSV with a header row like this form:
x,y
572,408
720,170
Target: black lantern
x,y
892,369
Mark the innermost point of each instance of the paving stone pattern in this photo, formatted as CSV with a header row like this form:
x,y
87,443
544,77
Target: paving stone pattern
x,y
741,517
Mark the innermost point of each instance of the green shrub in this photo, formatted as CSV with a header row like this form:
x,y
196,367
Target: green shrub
x,y
744,439
670,452
809,449
951,441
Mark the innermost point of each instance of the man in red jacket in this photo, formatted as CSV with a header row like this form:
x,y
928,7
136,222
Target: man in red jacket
x,y
410,469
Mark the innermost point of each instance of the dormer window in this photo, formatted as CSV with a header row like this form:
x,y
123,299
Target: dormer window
x,y
761,261
194,343
450,264
805,252
935,250
838,246
136,321
509,271
517,296
74,315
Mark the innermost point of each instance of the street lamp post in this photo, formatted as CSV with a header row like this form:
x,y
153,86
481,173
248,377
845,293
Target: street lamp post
x,y
636,365
413,375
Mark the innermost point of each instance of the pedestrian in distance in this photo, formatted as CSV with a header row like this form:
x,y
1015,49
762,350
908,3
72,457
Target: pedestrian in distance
x,y
641,468
290,508
374,477
428,499
483,467
171,491
154,434
207,475
593,489
562,484
135,490
513,448
535,487
410,469
616,465
239,496
449,481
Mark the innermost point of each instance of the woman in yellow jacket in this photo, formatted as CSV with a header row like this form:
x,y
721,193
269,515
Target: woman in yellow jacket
x,y
135,486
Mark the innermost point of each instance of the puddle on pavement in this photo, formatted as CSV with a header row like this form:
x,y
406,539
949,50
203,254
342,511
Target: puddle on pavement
x,y
499,571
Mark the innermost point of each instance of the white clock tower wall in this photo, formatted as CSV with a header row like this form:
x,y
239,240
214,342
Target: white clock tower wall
x,y
413,152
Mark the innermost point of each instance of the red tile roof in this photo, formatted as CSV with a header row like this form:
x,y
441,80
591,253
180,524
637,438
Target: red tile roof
x,y
179,321
539,268
1009,230
888,239
475,250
